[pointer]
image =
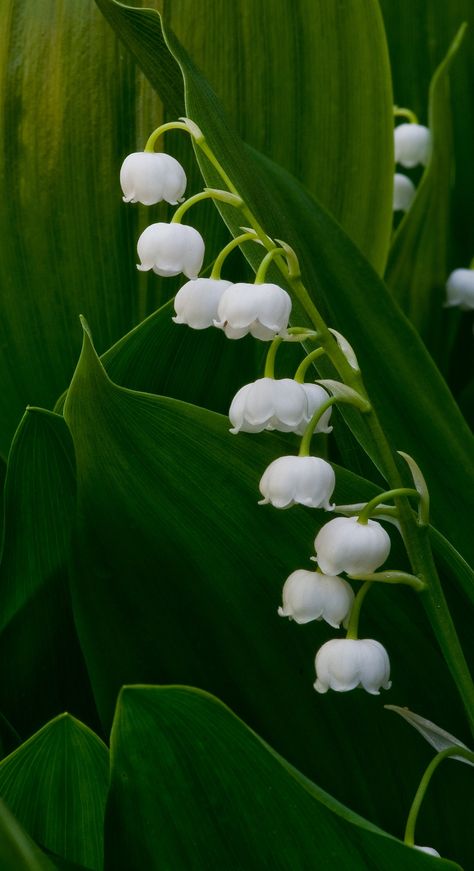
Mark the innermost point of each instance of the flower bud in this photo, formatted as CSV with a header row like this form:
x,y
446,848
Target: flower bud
x,y
281,404
345,545
342,664
403,192
196,302
460,289
169,249
313,596
412,144
430,850
259,309
150,177
308,481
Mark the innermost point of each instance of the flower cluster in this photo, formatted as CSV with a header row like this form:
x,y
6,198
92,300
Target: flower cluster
x,y
412,143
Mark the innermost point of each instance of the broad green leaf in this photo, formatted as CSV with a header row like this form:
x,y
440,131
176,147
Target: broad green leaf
x,y
192,787
71,107
347,291
41,666
309,100
169,521
17,851
417,268
56,785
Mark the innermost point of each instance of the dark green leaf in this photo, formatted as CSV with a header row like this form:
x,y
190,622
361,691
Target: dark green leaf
x,y
56,784
192,787
17,850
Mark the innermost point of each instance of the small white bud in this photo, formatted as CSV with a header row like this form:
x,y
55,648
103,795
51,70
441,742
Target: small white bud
x,y
313,596
460,289
281,404
345,545
430,850
196,302
403,192
150,177
308,481
412,144
259,309
169,249
342,664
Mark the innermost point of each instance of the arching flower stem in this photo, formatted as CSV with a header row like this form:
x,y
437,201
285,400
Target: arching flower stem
x,y
304,450
306,363
249,236
398,112
207,194
392,577
269,371
382,497
409,837
267,260
353,625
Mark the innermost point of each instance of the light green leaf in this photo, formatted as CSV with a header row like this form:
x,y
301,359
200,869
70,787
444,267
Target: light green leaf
x,y
417,267
192,787
56,784
41,665
347,291
169,521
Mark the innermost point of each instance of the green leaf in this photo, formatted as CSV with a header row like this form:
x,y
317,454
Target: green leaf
x,y
41,665
193,787
346,290
169,521
17,850
72,106
309,101
56,784
417,267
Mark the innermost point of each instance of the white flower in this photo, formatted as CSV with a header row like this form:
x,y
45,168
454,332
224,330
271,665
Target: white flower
x,y
460,289
150,177
308,481
345,545
412,144
430,850
259,309
313,596
196,302
281,404
342,664
169,249
403,192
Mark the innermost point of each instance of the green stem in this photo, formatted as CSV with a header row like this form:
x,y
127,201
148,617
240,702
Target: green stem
x,y
398,112
382,497
270,359
308,433
409,837
353,625
392,577
207,194
262,269
306,363
170,125
234,243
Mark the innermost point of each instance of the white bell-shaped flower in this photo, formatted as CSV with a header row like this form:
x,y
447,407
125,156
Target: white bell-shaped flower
x,y
196,302
345,545
169,249
262,310
342,664
316,396
412,144
430,850
313,596
150,177
308,481
403,192
460,289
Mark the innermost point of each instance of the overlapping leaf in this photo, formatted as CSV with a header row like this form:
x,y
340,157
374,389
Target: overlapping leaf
x,y
192,787
41,666
56,785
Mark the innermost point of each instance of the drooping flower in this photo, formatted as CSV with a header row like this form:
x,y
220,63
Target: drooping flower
x,y
314,596
169,249
259,309
342,664
403,192
307,481
460,289
412,144
345,545
150,177
282,404
196,302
